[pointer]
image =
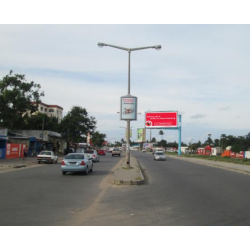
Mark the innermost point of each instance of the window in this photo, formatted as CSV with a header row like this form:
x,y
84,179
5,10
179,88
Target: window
x,y
45,110
41,108
75,156
51,110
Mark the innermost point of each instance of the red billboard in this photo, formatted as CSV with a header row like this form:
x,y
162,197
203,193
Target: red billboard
x,y
14,150
161,119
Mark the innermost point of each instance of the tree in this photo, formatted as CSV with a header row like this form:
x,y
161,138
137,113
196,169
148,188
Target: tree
x,y
209,141
16,97
162,143
161,133
39,121
216,143
98,139
223,140
75,126
153,140
236,148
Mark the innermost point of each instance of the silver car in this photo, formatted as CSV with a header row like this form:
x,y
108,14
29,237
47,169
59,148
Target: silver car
x,y
77,162
159,156
92,154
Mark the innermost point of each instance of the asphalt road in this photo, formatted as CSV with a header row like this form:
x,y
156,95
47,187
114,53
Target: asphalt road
x,y
43,196
176,193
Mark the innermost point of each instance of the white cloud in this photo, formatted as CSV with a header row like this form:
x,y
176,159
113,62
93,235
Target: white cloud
x,y
202,71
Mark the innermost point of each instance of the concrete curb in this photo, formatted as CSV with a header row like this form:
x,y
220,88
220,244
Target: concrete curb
x,y
123,176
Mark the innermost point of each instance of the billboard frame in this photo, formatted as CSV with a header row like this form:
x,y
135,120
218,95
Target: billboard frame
x,y
162,127
169,128
132,108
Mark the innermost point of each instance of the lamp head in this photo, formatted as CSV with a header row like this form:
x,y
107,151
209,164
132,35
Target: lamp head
x,y
100,45
158,47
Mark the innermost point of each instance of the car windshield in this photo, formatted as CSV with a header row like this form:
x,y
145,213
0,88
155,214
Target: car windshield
x,y
115,149
159,153
45,153
75,156
89,151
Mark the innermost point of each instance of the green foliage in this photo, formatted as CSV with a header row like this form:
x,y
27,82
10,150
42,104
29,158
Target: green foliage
x,y
75,126
98,139
209,141
153,140
39,121
16,97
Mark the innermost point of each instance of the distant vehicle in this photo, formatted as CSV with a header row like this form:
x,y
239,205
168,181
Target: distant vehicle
x,y
47,156
92,154
157,150
101,152
159,156
77,162
116,151
110,150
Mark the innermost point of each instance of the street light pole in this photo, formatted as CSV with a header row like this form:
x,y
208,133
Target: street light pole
x,y
157,47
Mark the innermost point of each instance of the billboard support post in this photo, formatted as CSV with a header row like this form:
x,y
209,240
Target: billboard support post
x,y
179,149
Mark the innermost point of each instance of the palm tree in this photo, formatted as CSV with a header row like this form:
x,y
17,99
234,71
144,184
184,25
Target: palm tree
x,y
161,133
223,136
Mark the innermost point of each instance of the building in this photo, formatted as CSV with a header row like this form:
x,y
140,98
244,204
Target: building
x,y
41,140
50,110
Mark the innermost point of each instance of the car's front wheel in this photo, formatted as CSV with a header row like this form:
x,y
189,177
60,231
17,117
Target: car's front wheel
x,y
64,172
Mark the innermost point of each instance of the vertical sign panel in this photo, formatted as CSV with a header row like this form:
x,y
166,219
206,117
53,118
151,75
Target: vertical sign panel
x,y
141,134
128,110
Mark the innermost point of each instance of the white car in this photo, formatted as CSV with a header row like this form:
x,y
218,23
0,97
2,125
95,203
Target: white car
x,y
159,156
92,154
47,156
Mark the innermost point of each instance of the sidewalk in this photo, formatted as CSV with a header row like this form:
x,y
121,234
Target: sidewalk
x,y
131,176
224,165
9,164
12,164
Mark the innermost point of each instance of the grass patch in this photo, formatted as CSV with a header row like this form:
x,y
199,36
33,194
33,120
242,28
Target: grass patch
x,y
214,158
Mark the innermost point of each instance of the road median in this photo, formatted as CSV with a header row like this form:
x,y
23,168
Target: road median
x,y
127,176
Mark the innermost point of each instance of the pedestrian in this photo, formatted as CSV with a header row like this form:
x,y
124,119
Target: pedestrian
x,y
25,152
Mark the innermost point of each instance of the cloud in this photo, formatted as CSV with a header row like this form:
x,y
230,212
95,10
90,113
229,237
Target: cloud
x,y
225,108
197,116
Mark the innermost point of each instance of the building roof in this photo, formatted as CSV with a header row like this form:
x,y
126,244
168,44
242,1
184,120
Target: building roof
x,y
48,105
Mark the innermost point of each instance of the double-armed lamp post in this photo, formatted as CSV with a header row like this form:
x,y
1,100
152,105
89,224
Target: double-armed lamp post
x,y
129,50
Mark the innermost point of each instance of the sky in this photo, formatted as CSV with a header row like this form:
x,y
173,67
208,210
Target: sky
x,y
202,71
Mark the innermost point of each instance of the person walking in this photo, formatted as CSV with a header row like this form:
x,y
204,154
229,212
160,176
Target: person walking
x,y
25,153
